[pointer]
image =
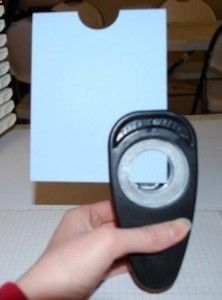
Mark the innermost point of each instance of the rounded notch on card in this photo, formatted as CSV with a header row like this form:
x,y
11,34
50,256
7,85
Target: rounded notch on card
x,y
95,16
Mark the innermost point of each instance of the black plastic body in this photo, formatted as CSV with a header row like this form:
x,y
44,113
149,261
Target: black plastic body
x,y
157,271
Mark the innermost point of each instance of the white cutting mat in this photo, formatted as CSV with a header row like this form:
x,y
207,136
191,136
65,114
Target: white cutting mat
x,y
25,232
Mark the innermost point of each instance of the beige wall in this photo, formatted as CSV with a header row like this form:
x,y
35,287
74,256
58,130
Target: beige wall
x,y
108,6
109,9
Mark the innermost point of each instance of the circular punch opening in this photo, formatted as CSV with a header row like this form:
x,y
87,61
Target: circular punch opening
x,y
161,194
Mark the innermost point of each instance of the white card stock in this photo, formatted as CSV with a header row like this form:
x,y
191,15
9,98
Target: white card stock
x,y
83,81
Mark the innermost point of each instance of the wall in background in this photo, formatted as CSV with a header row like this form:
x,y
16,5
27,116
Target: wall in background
x,y
109,7
216,6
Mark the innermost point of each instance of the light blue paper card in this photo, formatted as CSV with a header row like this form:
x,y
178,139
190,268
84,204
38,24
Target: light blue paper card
x,y
83,81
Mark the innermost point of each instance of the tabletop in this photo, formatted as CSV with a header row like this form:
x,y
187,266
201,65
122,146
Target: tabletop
x,y
190,37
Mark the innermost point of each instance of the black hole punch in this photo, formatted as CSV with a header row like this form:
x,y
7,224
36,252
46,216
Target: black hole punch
x,y
141,200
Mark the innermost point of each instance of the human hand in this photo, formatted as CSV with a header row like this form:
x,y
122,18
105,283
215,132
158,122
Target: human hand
x,y
86,248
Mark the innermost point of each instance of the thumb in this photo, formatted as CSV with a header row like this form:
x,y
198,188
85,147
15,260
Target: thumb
x,y
152,238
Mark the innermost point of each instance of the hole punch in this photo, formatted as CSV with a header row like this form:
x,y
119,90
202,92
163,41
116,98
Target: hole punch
x,y
138,201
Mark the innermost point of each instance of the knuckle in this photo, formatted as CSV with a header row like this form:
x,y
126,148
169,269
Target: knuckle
x,y
69,213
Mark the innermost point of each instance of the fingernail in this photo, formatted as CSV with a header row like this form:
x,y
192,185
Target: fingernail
x,y
185,222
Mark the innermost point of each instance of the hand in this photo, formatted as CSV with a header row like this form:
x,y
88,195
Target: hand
x,y
85,249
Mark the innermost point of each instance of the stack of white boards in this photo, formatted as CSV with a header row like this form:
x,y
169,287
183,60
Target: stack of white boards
x,y
7,117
